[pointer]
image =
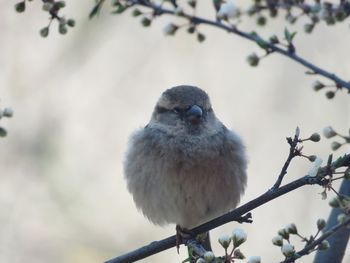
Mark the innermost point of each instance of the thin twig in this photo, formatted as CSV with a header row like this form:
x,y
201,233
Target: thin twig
x,y
292,153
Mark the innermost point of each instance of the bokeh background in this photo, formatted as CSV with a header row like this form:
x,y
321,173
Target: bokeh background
x,y
78,97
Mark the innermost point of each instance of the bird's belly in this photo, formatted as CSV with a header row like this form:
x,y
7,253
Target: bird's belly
x,y
195,193
188,181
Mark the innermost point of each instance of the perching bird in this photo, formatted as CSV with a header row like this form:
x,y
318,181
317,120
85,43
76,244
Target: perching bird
x,y
185,167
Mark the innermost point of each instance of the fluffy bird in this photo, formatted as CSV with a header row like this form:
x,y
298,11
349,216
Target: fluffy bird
x,y
185,167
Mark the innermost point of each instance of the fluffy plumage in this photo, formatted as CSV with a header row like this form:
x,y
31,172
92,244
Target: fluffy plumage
x,y
185,167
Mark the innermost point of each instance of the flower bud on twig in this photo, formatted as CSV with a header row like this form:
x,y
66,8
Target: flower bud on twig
x,y
292,229
253,59
335,146
321,223
277,241
254,259
288,250
328,132
209,256
238,237
324,245
225,241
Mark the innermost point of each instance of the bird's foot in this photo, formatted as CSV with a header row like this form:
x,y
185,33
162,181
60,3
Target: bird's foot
x,y
182,236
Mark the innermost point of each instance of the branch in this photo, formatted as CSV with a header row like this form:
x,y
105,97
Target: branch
x,y
158,246
235,215
159,10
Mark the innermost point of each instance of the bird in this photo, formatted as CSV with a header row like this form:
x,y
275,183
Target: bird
x,y
185,167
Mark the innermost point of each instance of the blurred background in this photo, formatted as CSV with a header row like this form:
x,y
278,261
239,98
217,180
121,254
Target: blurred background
x,y
78,97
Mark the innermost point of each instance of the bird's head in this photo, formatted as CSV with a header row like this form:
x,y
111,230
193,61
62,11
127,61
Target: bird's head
x,y
185,107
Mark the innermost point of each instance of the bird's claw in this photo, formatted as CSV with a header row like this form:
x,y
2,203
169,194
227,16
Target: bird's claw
x,y
182,236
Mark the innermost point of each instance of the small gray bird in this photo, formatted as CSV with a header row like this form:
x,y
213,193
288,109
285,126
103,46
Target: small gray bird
x,y
185,167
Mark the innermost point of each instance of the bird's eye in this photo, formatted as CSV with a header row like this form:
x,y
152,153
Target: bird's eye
x,y
177,110
161,109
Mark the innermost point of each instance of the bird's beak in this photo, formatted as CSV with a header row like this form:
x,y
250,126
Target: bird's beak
x,y
194,114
